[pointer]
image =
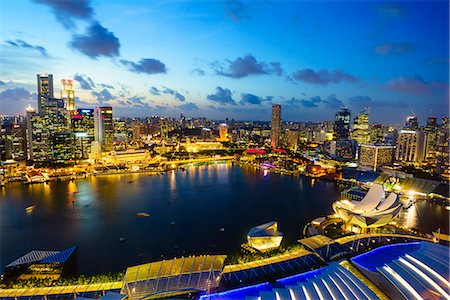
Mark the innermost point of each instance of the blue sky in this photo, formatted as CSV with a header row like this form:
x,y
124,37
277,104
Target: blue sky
x,y
231,59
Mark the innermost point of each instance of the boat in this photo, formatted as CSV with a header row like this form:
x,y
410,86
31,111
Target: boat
x,y
122,239
30,208
222,229
142,214
172,223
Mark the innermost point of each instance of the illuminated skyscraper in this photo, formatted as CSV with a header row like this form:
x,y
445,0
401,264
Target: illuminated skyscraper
x,y
411,123
360,132
37,137
276,126
68,95
83,128
432,134
223,132
45,91
375,156
342,124
410,146
443,164
103,127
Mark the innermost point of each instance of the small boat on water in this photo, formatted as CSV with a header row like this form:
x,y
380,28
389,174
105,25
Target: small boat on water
x,y
30,208
142,214
122,239
172,223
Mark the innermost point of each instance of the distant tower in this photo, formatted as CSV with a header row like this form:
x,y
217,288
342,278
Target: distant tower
x,y
360,132
276,126
68,95
223,132
45,91
342,124
103,127
411,123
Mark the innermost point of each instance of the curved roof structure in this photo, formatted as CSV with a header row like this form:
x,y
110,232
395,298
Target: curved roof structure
x,y
265,236
374,210
43,256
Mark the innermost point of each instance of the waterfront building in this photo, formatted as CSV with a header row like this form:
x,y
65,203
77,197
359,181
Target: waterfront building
x,y
342,124
206,134
410,146
432,135
18,142
223,132
83,130
103,127
45,91
375,156
374,210
68,96
121,130
275,136
62,148
342,149
265,237
360,132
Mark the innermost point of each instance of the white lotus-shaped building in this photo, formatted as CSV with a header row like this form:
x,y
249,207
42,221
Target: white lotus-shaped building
x,y
374,210
265,236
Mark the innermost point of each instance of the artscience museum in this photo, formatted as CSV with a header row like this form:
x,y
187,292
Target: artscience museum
x,y
374,210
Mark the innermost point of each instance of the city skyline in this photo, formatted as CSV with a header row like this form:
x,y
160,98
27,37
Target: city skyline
x,y
309,57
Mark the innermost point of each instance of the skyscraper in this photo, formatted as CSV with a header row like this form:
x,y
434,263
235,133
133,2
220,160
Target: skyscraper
x,y
411,123
276,126
342,124
37,137
360,132
443,164
45,91
83,128
432,134
68,95
223,132
103,127
410,146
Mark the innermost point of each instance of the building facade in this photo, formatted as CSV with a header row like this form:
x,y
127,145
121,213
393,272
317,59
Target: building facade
x,y
104,127
275,135
342,124
375,156
360,132
410,146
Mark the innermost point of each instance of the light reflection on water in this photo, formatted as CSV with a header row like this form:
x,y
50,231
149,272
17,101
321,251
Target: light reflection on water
x,y
95,212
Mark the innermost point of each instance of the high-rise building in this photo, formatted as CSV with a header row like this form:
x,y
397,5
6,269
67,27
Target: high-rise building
x,y
45,91
37,137
410,146
442,155
360,132
83,129
62,147
432,134
342,124
223,132
18,142
275,136
377,134
342,149
103,127
375,156
68,95
292,139
411,123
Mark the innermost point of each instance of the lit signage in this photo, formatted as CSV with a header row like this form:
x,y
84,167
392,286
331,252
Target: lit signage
x,y
81,134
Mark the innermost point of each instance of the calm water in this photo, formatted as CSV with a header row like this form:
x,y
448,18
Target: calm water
x,y
94,213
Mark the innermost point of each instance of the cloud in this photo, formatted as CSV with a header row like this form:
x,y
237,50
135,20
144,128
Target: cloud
x,y
68,10
394,48
360,100
198,72
2,82
168,91
25,45
307,103
137,101
252,99
222,96
245,66
146,65
412,85
235,10
17,94
155,91
438,60
98,41
108,86
189,106
323,76
390,10
332,102
174,93
103,96
85,81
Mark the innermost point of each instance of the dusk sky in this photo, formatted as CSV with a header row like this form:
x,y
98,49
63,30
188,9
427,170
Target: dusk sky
x,y
234,59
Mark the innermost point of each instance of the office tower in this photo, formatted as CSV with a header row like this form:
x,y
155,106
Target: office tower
x,y
164,129
83,129
292,139
442,155
103,127
276,126
432,134
342,124
45,91
410,146
55,116
411,123
62,147
377,134
68,96
37,137
121,131
360,132
343,149
223,132
18,142
375,156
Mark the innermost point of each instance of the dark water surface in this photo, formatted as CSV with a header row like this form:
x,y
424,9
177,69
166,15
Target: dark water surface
x,y
94,213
